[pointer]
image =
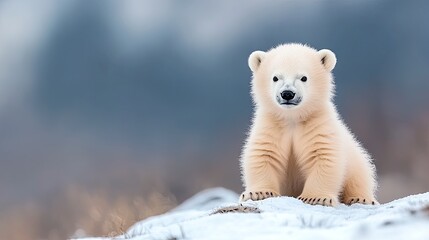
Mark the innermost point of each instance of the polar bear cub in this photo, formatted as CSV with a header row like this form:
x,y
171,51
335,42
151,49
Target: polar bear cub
x,y
298,145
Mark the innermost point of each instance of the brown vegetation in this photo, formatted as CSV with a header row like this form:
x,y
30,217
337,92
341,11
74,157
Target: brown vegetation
x,y
78,212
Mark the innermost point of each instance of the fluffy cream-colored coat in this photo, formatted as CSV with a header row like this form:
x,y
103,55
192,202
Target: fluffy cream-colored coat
x,y
300,147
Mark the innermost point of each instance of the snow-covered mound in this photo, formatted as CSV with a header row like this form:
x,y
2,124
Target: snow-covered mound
x,y
285,218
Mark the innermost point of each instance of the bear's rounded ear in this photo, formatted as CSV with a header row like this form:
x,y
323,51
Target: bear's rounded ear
x,y
328,59
255,60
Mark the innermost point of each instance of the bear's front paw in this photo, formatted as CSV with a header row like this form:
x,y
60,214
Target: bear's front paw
x,y
361,200
257,195
319,200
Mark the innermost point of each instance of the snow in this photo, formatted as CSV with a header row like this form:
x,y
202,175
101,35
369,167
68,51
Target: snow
x,y
283,217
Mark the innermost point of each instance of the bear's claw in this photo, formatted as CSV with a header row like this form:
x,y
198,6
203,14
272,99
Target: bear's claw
x,y
365,201
324,201
257,195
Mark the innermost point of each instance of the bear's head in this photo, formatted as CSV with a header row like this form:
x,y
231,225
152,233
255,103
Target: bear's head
x,y
292,79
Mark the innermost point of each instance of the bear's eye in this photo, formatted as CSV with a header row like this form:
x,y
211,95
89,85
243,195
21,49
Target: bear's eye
x,y
304,79
275,79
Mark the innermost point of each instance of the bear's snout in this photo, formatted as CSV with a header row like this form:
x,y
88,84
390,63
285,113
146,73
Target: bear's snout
x,y
287,95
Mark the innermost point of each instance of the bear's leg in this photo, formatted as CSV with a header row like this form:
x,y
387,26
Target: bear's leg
x,y
321,162
360,182
262,176
323,183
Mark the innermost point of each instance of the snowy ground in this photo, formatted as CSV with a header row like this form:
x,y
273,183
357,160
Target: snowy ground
x,y
285,218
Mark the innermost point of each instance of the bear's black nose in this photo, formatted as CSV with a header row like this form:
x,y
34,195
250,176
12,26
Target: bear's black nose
x,y
287,95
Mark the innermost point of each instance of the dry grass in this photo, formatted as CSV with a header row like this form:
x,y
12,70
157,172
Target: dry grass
x,y
107,205
78,212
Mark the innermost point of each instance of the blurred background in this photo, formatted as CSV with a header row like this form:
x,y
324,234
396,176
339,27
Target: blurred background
x,y
113,111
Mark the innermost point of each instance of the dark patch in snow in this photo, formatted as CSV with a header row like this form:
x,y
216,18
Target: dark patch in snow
x,y
425,210
388,223
237,209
